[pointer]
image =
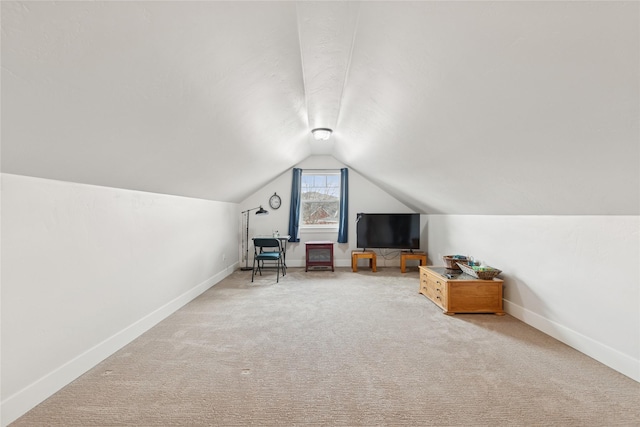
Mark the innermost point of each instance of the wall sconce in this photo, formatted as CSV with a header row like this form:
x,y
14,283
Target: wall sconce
x,y
321,134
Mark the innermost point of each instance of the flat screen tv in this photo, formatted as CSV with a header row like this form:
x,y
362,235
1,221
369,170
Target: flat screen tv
x,y
391,231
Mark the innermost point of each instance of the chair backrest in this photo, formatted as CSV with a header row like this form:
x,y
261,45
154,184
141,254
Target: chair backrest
x,y
266,242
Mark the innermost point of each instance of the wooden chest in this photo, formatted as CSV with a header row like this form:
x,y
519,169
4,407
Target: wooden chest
x,y
461,293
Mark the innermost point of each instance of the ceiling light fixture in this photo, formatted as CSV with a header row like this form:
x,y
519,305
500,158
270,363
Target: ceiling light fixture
x,y
321,133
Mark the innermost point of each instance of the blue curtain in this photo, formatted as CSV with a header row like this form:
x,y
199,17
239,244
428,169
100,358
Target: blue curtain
x,y
294,211
343,224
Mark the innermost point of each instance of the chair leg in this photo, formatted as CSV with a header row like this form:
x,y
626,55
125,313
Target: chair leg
x,y
253,269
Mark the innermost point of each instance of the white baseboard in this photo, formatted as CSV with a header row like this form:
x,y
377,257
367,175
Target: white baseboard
x,y
301,263
604,354
24,400
341,262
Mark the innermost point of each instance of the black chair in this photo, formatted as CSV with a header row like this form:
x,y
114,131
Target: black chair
x,y
267,249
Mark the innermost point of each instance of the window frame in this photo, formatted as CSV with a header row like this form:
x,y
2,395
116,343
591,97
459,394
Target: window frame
x,y
303,227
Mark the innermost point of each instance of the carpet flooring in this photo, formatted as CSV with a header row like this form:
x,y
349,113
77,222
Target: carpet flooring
x,y
340,349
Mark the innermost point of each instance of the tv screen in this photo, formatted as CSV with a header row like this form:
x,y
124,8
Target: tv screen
x,y
392,231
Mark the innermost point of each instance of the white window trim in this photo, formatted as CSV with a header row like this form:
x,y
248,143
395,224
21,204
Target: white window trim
x,y
306,229
327,228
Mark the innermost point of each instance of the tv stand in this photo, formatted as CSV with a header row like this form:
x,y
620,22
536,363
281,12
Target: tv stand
x,y
407,255
356,255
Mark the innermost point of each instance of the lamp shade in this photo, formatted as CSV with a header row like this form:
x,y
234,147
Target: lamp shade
x,y
321,134
262,211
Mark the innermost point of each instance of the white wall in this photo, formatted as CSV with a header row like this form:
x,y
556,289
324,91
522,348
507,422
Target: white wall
x,y
364,196
86,269
575,278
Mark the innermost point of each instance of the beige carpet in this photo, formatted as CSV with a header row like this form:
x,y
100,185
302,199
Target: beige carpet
x,y
344,349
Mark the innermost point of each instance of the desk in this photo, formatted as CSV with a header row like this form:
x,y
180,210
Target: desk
x,y
283,241
319,253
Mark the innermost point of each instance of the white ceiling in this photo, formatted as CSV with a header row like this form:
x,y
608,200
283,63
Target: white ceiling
x,y
452,107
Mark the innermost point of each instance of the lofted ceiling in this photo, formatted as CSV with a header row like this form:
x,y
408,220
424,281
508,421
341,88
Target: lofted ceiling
x,y
451,107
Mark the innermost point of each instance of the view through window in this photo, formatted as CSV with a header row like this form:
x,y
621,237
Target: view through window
x,y
320,199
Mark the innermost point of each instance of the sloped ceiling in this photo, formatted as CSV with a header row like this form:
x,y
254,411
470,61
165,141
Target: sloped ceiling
x,y
452,107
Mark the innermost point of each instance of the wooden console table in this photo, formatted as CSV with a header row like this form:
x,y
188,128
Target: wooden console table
x,y
319,253
356,255
406,255
459,292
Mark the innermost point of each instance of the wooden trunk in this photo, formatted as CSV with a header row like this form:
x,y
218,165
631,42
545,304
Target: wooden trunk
x,y
461,293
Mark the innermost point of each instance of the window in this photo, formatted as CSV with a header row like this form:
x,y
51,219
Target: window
x,y
320,199
325,204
